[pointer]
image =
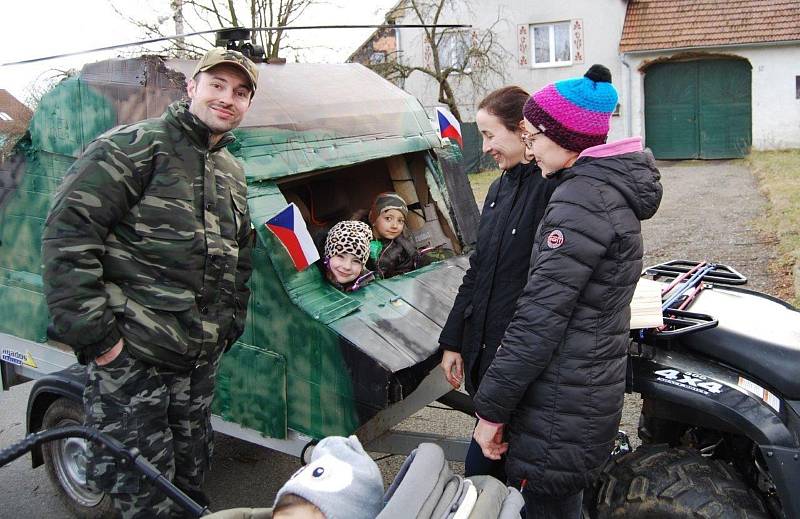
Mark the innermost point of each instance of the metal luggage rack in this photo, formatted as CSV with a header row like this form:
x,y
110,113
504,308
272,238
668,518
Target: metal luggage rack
x,y
689,278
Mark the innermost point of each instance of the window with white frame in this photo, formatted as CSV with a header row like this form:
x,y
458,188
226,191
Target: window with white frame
x,y
377,57
5,117
453,49
551,44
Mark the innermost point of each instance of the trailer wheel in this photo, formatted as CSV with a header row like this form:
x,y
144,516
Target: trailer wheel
x,y
66,464
657,481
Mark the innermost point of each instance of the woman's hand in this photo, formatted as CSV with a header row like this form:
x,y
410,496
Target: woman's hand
x,y
490,437
453,367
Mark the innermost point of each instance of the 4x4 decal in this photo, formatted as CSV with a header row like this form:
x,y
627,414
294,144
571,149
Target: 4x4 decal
x,y
691,381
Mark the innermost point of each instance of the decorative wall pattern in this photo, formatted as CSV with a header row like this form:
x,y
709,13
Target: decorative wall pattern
x,y
523,48
577,41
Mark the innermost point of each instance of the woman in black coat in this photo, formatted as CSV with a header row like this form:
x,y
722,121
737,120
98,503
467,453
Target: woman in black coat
x,y
552,398
499,265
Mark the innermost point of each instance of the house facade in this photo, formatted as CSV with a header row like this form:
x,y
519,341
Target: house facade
x,y
712,79
698,79
14,119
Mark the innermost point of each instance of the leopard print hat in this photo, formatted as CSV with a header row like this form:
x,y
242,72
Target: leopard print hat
x,y
349,236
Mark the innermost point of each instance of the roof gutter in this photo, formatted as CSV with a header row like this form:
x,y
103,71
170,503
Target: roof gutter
x,y
718,46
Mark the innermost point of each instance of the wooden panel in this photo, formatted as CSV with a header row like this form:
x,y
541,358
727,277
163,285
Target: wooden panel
x,y
671,126
699,109
724,108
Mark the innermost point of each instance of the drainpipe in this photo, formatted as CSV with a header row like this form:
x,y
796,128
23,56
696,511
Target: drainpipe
x,y
398,50
628,83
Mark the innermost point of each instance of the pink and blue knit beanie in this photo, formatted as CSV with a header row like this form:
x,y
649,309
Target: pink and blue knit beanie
x,y
575,113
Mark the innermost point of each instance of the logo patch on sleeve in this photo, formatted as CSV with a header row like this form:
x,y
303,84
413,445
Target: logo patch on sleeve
x,y
555,239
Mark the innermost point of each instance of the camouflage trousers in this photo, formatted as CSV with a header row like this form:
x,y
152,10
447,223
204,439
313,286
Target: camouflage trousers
x,y
163,413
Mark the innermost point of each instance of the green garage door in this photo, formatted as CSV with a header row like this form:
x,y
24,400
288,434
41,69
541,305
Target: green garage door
x,y
698,109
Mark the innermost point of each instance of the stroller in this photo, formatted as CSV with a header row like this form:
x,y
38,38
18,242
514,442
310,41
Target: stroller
x,y
425,487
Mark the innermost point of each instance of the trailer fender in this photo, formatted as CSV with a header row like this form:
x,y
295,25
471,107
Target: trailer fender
x,y
67,383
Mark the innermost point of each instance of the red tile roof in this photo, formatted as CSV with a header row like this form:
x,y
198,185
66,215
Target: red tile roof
x,y
11,108
670,24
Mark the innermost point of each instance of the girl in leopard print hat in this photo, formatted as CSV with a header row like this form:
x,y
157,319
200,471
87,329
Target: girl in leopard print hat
x,y
346,254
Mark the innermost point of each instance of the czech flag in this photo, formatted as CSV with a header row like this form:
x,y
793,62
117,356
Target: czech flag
x,y
289,227
448,126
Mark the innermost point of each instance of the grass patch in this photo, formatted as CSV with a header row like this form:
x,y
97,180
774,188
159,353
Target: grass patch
x,y
778,174
480,183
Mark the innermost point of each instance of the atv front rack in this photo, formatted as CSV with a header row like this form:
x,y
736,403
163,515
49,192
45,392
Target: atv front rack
x,y
719,273
689,278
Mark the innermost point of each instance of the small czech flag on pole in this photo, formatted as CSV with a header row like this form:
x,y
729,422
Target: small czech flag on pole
x,y
448,126
290,228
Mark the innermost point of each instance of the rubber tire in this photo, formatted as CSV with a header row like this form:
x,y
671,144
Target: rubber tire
x,y
657,481
60,413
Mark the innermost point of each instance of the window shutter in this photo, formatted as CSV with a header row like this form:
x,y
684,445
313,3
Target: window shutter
x,y
577,41
523,47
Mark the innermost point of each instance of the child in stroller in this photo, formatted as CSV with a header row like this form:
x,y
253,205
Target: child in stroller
x,y
343,482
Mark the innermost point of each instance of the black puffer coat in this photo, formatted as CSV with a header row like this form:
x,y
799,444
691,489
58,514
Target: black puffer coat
x,y
558,379
498,268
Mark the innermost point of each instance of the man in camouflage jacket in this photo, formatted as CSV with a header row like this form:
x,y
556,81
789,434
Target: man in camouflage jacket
x,y
146,256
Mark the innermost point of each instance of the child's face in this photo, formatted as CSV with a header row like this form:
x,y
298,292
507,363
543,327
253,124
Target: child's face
x,y
390,224
300,511
345,267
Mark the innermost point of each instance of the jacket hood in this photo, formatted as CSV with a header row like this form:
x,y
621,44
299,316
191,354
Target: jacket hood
x,y
632,172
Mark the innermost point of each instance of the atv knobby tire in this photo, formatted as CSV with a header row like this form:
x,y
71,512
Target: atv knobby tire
x,y
657,481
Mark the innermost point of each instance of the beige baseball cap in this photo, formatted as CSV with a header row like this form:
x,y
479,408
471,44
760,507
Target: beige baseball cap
x,y
218,55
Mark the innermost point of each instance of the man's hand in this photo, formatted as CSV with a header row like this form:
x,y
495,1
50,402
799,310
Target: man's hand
x,y
110,355
490,437
453,367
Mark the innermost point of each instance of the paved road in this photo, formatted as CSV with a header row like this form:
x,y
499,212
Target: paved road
x,y
708,212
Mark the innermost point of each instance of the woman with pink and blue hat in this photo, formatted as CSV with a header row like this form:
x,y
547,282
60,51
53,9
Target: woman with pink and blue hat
x,y
551,401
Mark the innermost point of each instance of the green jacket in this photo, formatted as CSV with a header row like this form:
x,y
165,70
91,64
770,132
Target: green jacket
x,y
149,239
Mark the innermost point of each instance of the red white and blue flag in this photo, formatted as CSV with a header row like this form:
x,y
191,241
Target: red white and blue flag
x,y
448,126
290,228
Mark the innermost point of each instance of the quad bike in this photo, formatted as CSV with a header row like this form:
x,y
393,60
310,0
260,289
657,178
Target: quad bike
x,y
720,422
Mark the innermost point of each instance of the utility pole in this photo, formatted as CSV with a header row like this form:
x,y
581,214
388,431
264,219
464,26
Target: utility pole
x,y
177,15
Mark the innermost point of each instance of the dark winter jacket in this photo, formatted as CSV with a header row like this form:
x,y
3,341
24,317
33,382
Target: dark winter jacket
x,y
498,268
397,256
558,378
149,240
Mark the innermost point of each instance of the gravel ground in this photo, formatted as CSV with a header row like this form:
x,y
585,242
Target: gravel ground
x,y
710,211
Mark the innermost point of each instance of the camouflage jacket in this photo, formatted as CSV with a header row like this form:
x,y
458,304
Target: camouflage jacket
x,y
149,239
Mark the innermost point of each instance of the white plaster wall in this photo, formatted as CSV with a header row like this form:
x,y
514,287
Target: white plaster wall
x,y
776,111
602,20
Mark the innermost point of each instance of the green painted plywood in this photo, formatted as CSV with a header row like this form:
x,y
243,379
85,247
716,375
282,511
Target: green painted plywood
x,y
251,390
320,396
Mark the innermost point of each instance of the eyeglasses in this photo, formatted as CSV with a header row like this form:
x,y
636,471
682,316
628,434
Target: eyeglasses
x,y
528,138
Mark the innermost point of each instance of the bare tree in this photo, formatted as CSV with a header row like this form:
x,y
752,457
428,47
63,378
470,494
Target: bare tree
x,y
451,55
200,15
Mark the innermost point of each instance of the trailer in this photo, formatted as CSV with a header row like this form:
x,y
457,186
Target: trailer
x,y
313,361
